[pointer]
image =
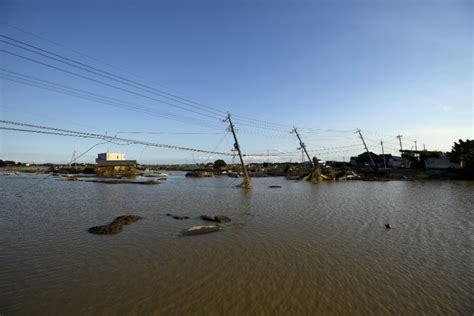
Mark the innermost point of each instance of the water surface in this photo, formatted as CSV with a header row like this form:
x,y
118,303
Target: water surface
x,y
298,250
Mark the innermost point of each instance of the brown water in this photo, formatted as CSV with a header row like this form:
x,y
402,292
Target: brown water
x,y
299,250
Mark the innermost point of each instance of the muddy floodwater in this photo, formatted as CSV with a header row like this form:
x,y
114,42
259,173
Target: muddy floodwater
x,y
301,249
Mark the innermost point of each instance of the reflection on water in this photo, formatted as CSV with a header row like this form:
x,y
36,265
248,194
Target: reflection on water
x,y
301,249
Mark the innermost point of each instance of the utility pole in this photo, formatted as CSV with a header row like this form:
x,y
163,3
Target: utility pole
x,y
246,183
383,155
302,146
424,148
372,164
73,158
416,148
400,140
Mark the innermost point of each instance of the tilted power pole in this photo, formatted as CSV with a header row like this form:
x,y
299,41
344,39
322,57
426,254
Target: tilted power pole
x,y
383,155
372,164
302,146
246,184
400,140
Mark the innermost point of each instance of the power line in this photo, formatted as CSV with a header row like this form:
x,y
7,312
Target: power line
x,y
111,76
111,102
63,132
135,84
108,85
200,104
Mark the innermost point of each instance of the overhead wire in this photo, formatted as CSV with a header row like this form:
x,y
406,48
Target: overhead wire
x,y
111,76
63,132
67,90
110,85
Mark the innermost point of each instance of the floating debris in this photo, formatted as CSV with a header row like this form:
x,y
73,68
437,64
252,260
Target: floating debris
x,y
180,217
199,174
116,226
176,216
388,226
124,181
197,230
217,218
274,186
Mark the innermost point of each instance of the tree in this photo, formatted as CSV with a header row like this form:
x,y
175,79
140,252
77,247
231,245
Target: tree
x,y
463,152
219,164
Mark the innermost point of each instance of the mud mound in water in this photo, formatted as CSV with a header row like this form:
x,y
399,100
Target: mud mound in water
x,y
116,226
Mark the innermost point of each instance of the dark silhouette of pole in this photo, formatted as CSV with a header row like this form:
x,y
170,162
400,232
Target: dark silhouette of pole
x,y
372,164
302,146
400,140
246,183
383,155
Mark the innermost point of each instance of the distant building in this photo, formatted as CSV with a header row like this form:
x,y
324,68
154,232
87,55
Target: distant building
x,y
109,157
114,163
442,162
336,164
397,162
363,160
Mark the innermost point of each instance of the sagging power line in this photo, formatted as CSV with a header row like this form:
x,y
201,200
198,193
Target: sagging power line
x,y
70,133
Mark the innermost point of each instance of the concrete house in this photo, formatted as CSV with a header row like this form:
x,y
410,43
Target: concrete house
x,y
114,163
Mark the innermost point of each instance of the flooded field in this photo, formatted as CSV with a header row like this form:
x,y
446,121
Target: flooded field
x,y
300,249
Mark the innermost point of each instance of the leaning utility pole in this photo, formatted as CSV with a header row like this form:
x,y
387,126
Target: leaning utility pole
x,y
302,146
400,140
246,183
383,155
73,158
366,149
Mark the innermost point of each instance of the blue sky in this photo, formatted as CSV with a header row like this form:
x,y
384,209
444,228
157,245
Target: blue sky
x,y
386,67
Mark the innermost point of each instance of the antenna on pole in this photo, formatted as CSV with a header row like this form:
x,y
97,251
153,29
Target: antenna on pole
x,y
302,146
372,164
246,184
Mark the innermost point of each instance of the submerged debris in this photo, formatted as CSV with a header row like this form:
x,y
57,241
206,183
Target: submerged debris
x,y
116,226
176,216
180,217
217,218
121,181
198,174
197,230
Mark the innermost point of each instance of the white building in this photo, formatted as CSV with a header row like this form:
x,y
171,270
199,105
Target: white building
x,y
110,157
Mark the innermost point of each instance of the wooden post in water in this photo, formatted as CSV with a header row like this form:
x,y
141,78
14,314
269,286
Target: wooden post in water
x,y
246,184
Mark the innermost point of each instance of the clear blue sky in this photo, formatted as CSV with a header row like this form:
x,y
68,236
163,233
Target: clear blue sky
x,y
386,67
